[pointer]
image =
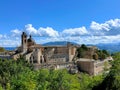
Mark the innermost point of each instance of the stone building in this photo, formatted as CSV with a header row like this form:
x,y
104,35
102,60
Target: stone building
x,y
57,57
93,67
30,50
60,53
35,53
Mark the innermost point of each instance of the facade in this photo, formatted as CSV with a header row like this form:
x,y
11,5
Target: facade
x,y
35,53
93,67
60,53
58,57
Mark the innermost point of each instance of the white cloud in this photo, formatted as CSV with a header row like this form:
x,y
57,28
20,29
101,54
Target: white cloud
x,y
111,27
30,29
11,42
75,31
97,26
114,23
106,32
48,32
43,32
1,36
16,32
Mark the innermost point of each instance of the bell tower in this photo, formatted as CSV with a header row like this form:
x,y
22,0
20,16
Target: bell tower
x,y
24,42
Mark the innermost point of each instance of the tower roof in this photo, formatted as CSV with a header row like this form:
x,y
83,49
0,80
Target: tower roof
x,y
30,39
24,34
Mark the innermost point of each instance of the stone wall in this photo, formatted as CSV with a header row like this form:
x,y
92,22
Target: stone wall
x,y
86,66
92,67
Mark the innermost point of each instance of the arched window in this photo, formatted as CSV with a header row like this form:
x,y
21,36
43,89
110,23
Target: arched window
x,y
40,59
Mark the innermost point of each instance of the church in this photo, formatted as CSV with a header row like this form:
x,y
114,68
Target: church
x,y
38,54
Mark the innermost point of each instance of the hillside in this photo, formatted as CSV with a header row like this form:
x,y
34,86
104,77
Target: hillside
x,y
59,43
111,47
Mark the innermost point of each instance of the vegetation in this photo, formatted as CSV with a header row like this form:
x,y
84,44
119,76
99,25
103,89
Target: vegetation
x,y
102,54
20,75
82,51
112,79
95,56
2,49
85,52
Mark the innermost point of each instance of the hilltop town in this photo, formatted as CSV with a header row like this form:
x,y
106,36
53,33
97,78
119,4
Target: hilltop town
x,y
72,57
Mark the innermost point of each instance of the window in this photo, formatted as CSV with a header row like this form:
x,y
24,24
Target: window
x,y
34,61
40,60
25,40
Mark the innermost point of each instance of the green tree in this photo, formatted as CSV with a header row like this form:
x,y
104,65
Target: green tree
x,y
12,68
83,46
41,79
106,53
112,79
87,82
95,56
23,81
81,51
2,49
60,80
1,87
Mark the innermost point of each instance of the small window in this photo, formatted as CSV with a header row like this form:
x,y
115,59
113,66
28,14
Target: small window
x,y
34,61
30,61
40,60
25,40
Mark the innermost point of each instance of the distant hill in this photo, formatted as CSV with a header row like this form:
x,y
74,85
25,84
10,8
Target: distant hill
x,y
58,43
111,47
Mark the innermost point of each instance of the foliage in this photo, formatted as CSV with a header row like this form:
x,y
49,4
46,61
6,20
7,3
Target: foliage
x,y
95,56
106,52
102,54
19,75
84,47
10,69
24,81
116,56
112,79
41,79
1,87
88,82
2,49
84,52
81,51
106,66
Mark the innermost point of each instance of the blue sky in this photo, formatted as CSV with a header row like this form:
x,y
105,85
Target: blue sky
x,y
81,21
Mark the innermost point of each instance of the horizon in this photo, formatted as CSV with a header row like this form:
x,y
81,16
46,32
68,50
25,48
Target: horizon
x,y
82,22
